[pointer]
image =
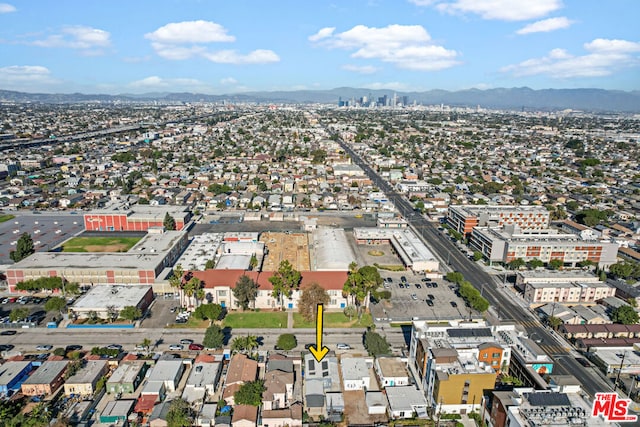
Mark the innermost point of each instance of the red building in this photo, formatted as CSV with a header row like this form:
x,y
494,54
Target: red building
x,y
138,219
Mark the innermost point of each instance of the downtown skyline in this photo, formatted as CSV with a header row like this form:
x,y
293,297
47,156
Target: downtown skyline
x,y
223,48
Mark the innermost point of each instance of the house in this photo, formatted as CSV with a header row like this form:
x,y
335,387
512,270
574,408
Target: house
x,y
167,372
376,402
405,402
241,370
84,382
116,411
355,374
127,377
278,390
158,417
291,416
392,371
202,381
46,379
244,416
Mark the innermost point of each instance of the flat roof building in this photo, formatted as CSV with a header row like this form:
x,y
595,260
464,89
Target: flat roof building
x,y
127,377
46,379
330,250
102,299
84,382
13,374
463,218
142,264
137,218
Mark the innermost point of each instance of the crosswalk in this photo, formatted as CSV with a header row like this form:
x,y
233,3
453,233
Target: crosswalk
x,y
554,350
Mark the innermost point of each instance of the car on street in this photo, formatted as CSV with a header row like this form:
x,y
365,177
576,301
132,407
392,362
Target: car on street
x,y
429,302
8,332
418,285
186,341
431,297
414,297
176,347
44,347
343,346
308,346
584,362
194,346
6,347
73,347
425,279
114,347
453,304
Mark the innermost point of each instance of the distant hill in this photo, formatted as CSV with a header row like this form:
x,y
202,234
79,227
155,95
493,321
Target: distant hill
x,y
598,100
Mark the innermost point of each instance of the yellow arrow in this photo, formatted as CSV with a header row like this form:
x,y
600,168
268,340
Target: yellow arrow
x,y
318,351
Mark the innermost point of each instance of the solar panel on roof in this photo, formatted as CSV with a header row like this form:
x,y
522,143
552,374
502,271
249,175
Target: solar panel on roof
x,y
471,332
548,399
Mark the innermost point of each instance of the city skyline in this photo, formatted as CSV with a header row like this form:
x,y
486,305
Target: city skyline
x,y
413,45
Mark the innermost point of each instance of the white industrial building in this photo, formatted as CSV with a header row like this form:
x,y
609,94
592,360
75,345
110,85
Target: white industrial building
x,y
331,250
102,299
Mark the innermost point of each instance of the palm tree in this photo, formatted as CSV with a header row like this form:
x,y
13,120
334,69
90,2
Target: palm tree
x,y
190,289
200,294
176,280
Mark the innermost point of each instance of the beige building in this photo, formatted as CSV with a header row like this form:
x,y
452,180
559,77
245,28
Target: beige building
x,y
83,383
46,379
537,294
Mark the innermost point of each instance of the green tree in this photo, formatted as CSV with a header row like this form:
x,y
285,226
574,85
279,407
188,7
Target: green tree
x,y
632,302
535,263
246,291
208,311
213,337
55,304
311,296
375,343
209,264
18,314
131,313
287,342
360,284
24,248
350,311
556,264
180,414
285,281
176,280
454,277
554,322
169,222
516,264
625,270
244,343
625,314
249,393
477,255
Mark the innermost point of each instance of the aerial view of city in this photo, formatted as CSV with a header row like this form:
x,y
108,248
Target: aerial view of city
x,y
326,214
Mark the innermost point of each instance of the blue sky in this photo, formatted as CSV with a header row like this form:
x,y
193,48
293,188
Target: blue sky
x,y
221,47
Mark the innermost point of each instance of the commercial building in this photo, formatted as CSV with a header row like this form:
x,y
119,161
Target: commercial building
x,y
456,362
142,264
330,250
83,383
116,411
127,377
138,218
355,373
12,375
528,361
510,243
463,218
102,299
46,379
537,294
407,245
392,371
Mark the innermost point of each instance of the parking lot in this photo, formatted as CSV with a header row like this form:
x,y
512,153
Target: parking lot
x,y
409,302
160,314
36,311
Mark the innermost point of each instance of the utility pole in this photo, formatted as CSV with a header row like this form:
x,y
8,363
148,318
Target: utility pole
x,y
615,385
439,412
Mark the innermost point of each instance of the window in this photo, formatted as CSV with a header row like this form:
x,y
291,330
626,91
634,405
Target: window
x,y
494,355
222,293
484,355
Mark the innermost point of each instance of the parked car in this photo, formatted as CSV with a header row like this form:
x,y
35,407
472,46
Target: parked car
x,y
343,346
194,346
308,346
431,297
176,347
429,302
8,332
453,304
434,284
584,362
73,347
6,347
414,297
114,347
403,279
418,285
186,341
44,347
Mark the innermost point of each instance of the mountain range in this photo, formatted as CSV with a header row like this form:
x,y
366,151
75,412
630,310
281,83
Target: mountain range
x,y
593,100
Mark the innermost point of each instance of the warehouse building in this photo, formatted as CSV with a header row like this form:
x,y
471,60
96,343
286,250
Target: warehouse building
x,y
102,299
138,218
84,382
46,379
331,250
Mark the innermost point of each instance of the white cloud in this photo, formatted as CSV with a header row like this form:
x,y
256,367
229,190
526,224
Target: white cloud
x,y
388,85
190,32
405,46
259,56
89,40
505,10
7,8
362,69
322,34
604,57
25,77
228,81
173,84
546,25
189,39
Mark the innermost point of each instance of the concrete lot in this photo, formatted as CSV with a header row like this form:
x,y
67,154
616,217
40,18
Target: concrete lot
x,y
160,313
46,230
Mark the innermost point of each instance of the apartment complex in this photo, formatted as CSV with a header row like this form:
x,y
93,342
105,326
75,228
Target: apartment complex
x,y
463,218
512,242
539,293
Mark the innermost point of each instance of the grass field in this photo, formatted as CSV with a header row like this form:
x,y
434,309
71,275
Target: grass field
x,y
252,319
334,320
6,217
99,244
